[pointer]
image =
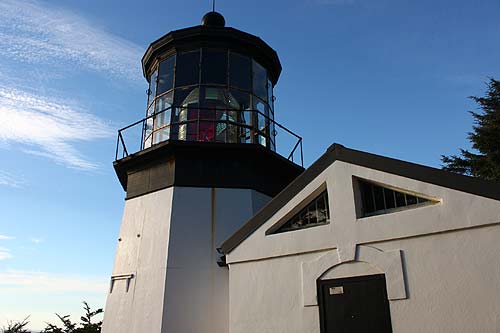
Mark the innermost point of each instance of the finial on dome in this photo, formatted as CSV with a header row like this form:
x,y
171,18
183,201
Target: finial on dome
x,y
213,19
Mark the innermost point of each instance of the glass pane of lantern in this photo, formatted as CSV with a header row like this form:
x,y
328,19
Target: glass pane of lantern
x,y
187,69
166,75
150,110
156,137
214,98
188,100
240,71
214,67
272,134
262,123
152,87
261,113
148,129
161,135
221,115
262,140
259,81
187,114
220,131
192,134
245,117
239,100
174,132
233,116
232,133
182,134
149,125
188,131
207,114
148,140
162,119
186,96
270,92
245,135
164,102
206,131
182,117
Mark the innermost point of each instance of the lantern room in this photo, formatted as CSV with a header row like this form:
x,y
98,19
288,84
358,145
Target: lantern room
x,y
209,118
210,84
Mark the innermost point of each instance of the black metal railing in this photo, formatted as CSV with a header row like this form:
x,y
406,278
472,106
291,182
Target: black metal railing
x,y
141,133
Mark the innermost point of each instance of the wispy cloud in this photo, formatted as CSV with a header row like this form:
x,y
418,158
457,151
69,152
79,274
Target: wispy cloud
x,y
50,125
5,253
9,180
43,282
36,240
32,33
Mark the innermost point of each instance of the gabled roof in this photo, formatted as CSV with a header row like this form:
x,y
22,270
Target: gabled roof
x,y
337,152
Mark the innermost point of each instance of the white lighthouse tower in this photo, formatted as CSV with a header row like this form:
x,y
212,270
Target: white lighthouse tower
x,y
207,162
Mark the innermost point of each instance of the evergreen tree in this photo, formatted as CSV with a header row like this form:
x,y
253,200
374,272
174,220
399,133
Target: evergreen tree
x,y
485,139
16,327
86,325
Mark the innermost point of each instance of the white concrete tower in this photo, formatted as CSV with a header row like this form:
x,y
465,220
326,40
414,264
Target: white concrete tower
x,y
206,163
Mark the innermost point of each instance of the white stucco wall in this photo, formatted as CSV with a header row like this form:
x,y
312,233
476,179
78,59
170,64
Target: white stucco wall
x,y
176,284
139,308
442,262
452,283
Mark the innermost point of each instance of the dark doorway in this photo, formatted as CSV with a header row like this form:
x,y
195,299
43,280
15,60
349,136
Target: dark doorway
x,y
352,305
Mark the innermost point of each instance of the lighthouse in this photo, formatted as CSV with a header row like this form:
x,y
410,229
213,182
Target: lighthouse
x,y
202,161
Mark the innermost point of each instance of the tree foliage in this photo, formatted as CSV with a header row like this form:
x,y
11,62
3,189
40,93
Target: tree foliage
x,y
87,324
485,139
16,326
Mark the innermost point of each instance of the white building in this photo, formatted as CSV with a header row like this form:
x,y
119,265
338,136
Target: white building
x,y
396,244
220,233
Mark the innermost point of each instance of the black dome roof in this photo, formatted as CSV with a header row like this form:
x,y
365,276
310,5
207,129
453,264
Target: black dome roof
x,y
213,19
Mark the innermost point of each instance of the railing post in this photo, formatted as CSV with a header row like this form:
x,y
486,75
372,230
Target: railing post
x,y
143,133
301,154
117,144
125,152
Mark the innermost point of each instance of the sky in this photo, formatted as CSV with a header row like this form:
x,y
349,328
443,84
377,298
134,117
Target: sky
x,y
389,77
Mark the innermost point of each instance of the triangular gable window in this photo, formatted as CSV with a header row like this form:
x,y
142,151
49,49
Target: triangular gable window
x,y
378,199
315,213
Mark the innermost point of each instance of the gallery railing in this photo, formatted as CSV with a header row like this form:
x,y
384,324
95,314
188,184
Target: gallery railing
x,y
141,133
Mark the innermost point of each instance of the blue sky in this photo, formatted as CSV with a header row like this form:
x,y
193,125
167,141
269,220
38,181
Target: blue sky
x,y
385,76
